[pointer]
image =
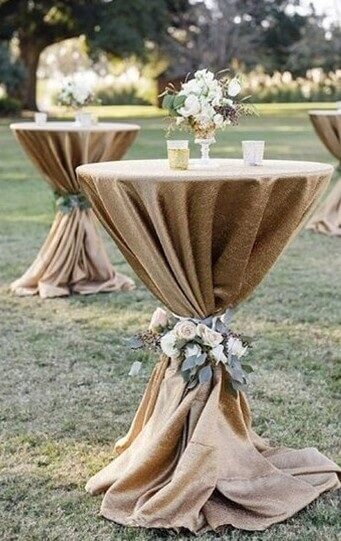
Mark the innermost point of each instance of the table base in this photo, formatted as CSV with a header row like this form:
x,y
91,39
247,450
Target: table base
x,y
191,460
327,219
72,259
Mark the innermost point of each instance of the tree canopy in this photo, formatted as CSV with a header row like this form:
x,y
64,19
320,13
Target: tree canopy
x,y
190,33
117,27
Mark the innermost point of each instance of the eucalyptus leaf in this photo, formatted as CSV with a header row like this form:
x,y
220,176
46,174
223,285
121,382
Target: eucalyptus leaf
x,y
205,374
186,374
236,385
200,359
221,327
178,101
189,363
207,321
167,102
193,383
234,361
237,374
247,368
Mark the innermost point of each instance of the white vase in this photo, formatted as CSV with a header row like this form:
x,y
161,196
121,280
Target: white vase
x,y
205,140
83,119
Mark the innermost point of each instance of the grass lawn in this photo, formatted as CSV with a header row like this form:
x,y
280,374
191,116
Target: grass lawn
x,y
65,395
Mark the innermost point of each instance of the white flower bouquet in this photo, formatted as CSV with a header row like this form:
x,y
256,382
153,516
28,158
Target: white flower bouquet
x,y
75,94
197,345
205,103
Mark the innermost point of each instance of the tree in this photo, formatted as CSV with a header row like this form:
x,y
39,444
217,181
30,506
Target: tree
x,y
11,71
119,27
271,33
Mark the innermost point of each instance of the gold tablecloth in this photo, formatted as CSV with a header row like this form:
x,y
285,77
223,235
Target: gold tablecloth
x,y
201,241
327,219
73,257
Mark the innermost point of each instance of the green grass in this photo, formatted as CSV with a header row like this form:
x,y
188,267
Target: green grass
x,y
65,395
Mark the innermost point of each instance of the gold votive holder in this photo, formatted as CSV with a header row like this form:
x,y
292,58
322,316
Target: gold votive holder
x,y
178,154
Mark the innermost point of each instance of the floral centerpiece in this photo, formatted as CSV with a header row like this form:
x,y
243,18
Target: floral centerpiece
x,y
197,346
76,94
204,104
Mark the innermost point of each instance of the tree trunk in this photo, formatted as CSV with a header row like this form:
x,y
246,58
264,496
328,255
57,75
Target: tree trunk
x,y
29,53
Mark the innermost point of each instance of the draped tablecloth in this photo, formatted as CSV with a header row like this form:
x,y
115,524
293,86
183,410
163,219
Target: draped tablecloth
x,y
201,241
73,257
327,125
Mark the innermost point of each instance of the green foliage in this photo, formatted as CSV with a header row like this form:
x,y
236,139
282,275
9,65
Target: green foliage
x,y
66,203
120,28
9,106
11,70
123,97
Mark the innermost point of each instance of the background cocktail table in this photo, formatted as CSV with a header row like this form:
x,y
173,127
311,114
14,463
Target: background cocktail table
x,y
201,241
73,257
327,125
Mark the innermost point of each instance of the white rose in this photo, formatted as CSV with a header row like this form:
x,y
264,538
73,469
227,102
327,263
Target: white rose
x,y
191,106
203,119
185,330
234,87
209,337
218,354
81,94
193,350
158,320
235,346
204,74
167,343
191,87
218,119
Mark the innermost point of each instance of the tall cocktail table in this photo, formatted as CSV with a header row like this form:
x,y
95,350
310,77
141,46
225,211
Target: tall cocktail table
x,y
73,257
201,241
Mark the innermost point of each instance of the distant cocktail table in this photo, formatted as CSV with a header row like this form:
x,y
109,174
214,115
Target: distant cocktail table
x,y
201,241
73,257
327,124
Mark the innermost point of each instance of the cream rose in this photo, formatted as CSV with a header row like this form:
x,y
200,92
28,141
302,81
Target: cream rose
x,y
185,330
209,337
167,343
159,320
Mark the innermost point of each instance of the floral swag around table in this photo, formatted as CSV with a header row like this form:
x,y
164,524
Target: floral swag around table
x,y
197,345
204,104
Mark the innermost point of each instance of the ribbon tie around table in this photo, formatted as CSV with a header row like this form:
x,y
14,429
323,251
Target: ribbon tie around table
x,y
190,458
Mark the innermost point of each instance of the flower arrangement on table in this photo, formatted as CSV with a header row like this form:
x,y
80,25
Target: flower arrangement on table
x,y
75,94
204,104
197,345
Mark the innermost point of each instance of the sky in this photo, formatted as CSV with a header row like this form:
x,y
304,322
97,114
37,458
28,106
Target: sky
x,y
331,7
